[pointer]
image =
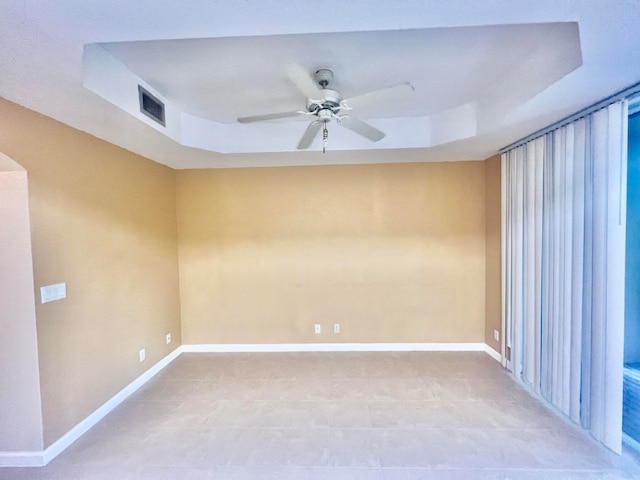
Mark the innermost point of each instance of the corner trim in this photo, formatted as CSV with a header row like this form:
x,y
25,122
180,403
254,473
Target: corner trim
x,y
81,428
333,347
493,353
41,458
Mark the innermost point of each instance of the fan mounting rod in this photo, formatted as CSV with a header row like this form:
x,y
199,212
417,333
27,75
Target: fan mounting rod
x,y
323,77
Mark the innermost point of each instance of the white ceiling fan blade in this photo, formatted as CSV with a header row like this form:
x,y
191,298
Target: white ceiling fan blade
x,y
385,94
303,80
309,134
268,116
361,128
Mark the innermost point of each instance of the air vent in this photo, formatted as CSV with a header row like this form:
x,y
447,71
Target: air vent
x,y
151,106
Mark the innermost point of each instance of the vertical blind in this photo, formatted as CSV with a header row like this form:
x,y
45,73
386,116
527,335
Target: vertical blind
x,y
564,222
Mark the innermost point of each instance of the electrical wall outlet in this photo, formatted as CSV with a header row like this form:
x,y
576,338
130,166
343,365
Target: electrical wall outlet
x,y
317,328
168,338
142,355
496,335
336,328
51,293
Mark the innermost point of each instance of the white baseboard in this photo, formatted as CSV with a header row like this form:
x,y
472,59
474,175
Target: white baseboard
x,y
22,459
76,432
493,353
631,443
333,347
41,458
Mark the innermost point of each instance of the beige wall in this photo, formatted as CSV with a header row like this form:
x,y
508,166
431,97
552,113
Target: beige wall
x,y
20,412
394,253
103,221
493,305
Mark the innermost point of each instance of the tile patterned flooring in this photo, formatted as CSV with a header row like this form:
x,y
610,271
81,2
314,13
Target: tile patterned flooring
x,y
338,416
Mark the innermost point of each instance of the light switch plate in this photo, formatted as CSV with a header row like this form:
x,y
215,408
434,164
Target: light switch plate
x,y
54,292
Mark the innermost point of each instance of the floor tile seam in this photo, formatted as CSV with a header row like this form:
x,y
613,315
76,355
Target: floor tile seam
x,y
506,429
145,400
261,428
369,403
486,429
368,414
168,381
363,428
325,467
164,428
432,400
470,396
500,469
291,378
298,466
263,401
240,442
230,461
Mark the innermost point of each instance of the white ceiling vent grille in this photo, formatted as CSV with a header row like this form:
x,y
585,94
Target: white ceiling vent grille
x,y
151,106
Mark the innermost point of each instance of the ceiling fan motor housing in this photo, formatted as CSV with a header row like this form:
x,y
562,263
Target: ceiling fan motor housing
x,y
330,100
323,77
325,115
325,104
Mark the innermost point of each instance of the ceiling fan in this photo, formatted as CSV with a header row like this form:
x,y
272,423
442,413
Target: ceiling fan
x,y
327,104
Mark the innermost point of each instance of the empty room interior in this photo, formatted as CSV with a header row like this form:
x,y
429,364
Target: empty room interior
x,y
340,240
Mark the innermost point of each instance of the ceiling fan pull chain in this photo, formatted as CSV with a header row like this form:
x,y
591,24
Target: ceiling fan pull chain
x,y
325,138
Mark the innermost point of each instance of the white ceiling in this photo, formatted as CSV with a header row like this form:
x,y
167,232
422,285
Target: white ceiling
x,y
485,73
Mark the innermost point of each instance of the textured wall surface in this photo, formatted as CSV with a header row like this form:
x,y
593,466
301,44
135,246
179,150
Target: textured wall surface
x,y
394,253
102,221
493,302
20,411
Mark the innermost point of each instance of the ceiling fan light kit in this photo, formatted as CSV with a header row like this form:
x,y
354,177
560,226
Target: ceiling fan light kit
x,y
326,104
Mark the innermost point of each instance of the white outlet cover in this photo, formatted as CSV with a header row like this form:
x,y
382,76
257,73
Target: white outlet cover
x,y
54,292
496,335
317,328
168,338
143,355
336,328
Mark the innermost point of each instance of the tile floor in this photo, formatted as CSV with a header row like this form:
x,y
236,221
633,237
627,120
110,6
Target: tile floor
x,y
338,416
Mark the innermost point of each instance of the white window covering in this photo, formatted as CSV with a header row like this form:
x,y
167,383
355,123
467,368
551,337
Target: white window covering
x,y
564,222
